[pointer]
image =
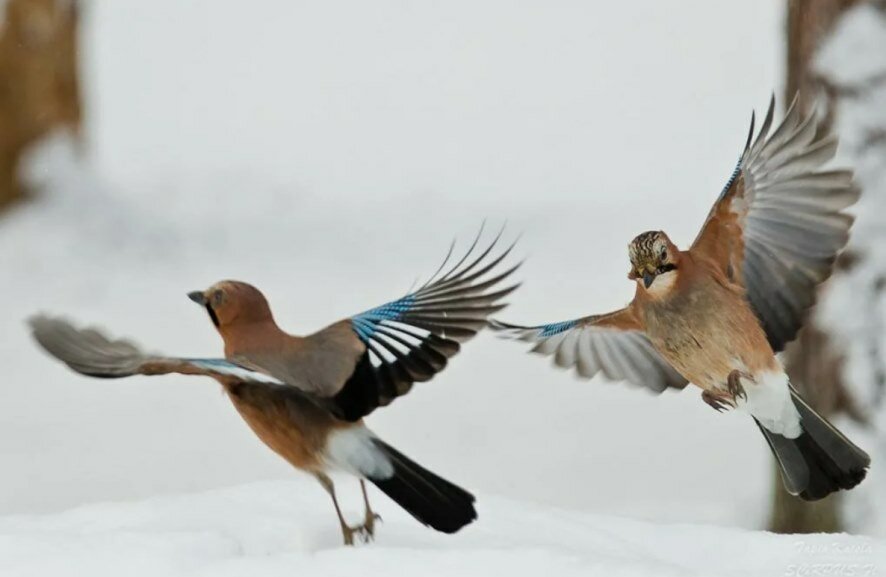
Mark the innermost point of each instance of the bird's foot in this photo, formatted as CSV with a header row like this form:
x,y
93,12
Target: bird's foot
x,y
369,523
360,532
364,533
719,401
728,399
734,386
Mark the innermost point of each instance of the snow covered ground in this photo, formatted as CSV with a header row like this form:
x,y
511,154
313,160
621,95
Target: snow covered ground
x,y
288,528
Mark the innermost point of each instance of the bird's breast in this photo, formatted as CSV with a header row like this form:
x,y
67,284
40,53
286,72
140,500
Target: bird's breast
x,y
288,424
706,331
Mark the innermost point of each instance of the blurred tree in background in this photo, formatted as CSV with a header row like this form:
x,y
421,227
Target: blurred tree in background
x,y
39,89
816,361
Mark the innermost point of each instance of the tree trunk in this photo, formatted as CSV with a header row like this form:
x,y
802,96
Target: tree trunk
x,y
812,361
38,81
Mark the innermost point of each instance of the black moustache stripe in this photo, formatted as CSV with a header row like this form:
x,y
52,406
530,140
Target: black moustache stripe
x,y
212,315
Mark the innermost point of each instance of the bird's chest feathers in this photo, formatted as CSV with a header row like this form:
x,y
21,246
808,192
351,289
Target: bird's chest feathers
x,y
287,423
701,330
675,323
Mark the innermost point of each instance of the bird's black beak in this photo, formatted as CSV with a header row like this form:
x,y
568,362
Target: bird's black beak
x,y
647,279
198,297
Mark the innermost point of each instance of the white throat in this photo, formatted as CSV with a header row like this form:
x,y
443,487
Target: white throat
x,y
662,285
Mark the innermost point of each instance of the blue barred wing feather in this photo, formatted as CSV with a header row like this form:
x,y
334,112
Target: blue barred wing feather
x,y
411,339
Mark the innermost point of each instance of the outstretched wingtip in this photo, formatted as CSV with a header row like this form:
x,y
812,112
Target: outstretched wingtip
x,y
44,327
85,350
747,144
35,320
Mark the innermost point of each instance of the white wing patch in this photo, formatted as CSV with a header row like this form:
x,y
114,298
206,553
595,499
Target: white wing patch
x,y
223,367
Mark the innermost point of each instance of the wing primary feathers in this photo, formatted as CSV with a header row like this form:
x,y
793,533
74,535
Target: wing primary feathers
x,y
465,279
607,344
442,265
89,352
747,151
764,129
469,252
786,126
783,227
472,289
413,337
462,275
747,145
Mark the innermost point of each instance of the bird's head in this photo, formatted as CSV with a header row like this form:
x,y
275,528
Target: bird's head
x,y
233,303
653,255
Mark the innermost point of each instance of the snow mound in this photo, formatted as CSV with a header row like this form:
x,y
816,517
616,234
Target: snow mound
x,y
289,528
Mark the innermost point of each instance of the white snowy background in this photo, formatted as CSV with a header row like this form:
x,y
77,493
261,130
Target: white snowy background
x,y
328,153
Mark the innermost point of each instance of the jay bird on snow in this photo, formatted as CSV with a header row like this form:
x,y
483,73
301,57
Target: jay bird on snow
x,y
305,396
717,314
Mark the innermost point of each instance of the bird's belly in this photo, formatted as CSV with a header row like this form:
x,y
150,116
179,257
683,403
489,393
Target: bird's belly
x,y
706,365
707,337
296,433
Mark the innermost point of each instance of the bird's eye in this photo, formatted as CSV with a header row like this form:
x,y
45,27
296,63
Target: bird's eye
x,y
664,253
217,298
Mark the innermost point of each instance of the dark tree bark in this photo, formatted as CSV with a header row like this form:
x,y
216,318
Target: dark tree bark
x,y
813,361
39,90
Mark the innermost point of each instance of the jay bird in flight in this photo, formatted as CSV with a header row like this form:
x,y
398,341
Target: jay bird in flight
x,y
718,313
305,396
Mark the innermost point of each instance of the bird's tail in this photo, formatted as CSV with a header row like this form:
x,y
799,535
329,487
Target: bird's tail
x,y
821,460
432,500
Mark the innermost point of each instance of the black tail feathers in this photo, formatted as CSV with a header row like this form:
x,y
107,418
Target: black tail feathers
x,y
432,500
821,460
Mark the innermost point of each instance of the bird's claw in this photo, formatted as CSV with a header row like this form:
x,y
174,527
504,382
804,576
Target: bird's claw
x,y
360,531
369,523
734,386
728,399
718,402
365,532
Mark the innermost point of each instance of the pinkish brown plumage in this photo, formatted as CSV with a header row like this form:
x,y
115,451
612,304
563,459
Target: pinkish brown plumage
x,y
717,313
305,396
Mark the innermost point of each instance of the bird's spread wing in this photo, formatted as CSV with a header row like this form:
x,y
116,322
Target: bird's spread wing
x,y
91,353
612,344
779,223
411,339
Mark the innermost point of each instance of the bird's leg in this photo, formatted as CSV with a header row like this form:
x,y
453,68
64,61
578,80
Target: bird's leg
x,y
347,531
733,384
371,516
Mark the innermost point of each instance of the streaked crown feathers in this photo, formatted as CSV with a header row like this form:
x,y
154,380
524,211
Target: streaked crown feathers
x,y
649,250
